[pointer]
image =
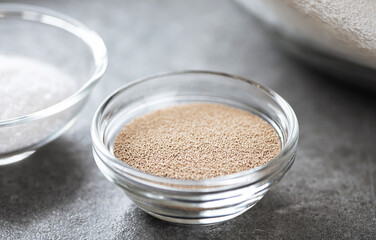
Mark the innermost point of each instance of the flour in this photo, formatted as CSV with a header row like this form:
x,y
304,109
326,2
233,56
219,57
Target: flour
x,y
345,28
351,22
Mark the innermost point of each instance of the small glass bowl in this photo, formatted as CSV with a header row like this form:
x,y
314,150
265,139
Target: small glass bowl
x,y
47,36
193,201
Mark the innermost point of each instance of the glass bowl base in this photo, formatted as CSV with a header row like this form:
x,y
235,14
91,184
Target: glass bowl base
x,y
197,221
15,158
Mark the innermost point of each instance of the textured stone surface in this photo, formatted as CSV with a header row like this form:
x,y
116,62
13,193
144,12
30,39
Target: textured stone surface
x,y
59,193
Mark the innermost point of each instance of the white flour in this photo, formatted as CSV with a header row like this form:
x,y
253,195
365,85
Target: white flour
x,y
345,27
27,86
352,22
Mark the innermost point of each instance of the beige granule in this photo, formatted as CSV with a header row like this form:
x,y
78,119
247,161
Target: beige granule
x,y
197,141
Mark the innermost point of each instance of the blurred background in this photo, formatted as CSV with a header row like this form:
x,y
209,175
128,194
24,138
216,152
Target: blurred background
x,y
330,191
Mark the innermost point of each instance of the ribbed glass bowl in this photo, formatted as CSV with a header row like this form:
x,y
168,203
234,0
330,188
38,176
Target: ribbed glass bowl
x,y
46,36
193,201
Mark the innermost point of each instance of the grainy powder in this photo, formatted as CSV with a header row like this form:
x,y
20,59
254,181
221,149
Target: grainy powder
x,y
197,141
27,86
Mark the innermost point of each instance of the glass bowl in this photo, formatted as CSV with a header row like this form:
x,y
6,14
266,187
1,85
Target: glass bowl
x,y
299,35
193,201
49,37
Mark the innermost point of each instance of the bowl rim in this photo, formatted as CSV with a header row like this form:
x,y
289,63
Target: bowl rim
x,y
287,149
97,47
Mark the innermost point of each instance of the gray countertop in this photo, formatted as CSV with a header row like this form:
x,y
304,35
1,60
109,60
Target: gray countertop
x,y
59,193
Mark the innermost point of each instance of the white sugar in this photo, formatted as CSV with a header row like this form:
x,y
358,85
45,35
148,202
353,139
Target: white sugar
x,y
27,86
